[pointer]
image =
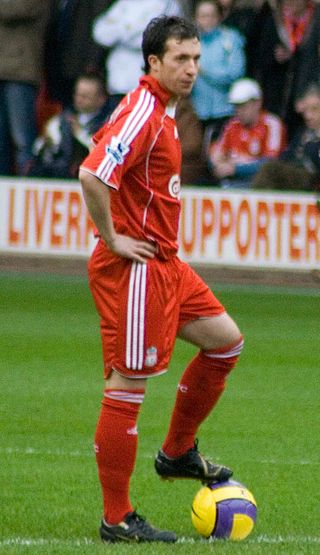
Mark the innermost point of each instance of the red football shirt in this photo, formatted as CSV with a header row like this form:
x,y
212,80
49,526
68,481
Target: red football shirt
x,y
138,155
242,144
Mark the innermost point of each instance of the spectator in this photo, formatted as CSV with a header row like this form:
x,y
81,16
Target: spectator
x,y
120,29
187,8
194,170
67,136
239,15
70,49
286,54
22,32
299,166
222,62
251,138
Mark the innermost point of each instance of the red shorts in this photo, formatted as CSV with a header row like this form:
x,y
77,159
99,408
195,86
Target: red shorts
x,y
142,307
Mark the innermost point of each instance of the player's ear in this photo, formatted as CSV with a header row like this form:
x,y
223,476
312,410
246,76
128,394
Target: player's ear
x,y
154,63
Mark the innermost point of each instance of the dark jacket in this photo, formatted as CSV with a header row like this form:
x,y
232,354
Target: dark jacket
x,y
283,83
62,156
304,150
22,39
70,48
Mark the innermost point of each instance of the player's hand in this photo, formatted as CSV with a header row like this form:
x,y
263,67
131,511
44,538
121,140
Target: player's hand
x,y
134,249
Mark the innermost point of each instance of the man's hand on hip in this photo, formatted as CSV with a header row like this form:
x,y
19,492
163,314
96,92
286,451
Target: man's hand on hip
x,y
135,249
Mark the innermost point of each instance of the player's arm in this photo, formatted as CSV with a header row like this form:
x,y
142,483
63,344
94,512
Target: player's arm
x,y
97,198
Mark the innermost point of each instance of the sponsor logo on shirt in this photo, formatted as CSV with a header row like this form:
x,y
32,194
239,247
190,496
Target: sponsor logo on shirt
x,y
174,186
117,150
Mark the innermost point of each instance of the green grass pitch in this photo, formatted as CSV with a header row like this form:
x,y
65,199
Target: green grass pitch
x,y
266,426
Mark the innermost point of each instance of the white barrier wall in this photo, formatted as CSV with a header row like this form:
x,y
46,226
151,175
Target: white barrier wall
x,y
44,216
251,229
274,230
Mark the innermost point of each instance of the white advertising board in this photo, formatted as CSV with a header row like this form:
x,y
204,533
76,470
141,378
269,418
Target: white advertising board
x,y
44,216
275,230
240,228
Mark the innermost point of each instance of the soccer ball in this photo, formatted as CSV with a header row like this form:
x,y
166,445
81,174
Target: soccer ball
x,y
225,510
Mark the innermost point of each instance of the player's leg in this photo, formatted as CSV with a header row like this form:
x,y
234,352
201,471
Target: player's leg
x,y
211,332
204,379
116,442
201,385
116,437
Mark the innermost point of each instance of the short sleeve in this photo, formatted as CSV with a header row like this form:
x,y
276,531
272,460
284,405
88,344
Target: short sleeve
x,y
123,141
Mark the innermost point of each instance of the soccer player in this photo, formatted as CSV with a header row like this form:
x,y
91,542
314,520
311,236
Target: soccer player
x,y
145,295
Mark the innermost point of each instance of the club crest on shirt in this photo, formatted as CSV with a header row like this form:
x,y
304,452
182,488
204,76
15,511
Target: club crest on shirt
x,y
151,357
117,150
174,186
254,147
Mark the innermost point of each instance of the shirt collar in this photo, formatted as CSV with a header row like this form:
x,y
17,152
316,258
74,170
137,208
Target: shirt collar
x,y
154,87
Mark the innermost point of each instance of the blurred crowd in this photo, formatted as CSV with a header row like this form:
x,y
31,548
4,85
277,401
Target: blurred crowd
x,y
252,121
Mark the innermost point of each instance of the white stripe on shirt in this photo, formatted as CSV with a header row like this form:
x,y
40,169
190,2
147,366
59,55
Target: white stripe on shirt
x,y
133,124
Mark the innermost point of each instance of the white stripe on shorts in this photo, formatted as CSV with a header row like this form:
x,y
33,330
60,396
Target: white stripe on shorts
x,y
136,316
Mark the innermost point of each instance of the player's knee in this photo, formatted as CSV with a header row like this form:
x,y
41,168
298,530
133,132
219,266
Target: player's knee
x,y
227,334
225,358
233,334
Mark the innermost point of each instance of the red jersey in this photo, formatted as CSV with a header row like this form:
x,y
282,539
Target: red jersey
x,y
138,155
266,139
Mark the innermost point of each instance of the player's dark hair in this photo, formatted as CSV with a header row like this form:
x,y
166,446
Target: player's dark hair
x,y
159,30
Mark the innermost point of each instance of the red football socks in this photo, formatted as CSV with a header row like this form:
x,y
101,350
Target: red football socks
x,y
199,390
116,443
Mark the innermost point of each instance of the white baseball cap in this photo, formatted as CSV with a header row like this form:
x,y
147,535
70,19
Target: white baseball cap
x,y
243,90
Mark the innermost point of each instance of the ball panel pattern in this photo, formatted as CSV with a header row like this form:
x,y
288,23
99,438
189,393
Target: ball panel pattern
x,y
225,510
204,511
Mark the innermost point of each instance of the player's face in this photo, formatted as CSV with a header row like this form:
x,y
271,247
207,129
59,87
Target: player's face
x,y
178,69
311,111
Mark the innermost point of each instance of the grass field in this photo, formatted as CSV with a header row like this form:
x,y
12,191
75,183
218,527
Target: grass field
x,y
266,426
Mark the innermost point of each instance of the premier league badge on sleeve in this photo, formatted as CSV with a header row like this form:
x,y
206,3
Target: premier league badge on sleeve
x,y
117,150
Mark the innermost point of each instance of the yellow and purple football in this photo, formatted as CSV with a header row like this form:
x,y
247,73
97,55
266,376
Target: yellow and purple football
x,y
225,510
